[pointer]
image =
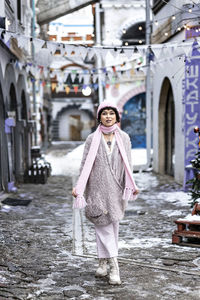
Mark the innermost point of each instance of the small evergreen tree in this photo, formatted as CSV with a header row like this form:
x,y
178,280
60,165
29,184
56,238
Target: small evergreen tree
x,y
194,190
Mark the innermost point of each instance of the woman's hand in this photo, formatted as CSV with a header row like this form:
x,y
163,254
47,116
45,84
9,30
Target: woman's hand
x,y
136,192
74,193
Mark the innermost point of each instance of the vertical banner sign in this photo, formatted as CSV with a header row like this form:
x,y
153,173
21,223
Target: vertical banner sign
x,y
192,103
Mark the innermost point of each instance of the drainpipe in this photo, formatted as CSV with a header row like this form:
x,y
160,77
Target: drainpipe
x,y
33,83
148,86
98,43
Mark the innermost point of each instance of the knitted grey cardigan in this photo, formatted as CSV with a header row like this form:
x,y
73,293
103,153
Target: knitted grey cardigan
x,y
106,182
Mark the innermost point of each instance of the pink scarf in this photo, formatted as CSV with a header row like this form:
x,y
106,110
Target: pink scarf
x,y
130,186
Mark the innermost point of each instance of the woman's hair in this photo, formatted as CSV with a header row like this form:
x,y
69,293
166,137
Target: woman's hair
x,y
109,107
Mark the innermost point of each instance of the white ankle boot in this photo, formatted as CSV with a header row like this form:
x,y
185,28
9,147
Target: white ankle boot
x,y
114,277
102,268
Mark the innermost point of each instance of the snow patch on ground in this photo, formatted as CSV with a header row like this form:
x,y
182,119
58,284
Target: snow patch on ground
x,y
190,218
181,198
68,164
143,243
170,213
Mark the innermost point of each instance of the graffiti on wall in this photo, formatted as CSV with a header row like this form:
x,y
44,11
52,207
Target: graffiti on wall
x,y
133,120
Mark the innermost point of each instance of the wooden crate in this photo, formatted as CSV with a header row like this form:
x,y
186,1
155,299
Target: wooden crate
x,y
189,230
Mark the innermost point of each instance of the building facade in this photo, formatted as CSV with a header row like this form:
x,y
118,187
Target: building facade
x,y
72,99
24,111
127,85
15,128
174,23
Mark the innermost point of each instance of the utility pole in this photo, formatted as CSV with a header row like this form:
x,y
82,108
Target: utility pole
x,y
148,85
98,43
33,82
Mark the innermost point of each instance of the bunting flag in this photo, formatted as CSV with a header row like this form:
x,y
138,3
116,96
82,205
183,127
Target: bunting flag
x,y
156,52
7,37
128,51
94,78
45,72
83,52
107,74
73,75
67,89
38,44
53,86
153,67
114,52
51,47
90,53
75,89
187,50
110,75
23,42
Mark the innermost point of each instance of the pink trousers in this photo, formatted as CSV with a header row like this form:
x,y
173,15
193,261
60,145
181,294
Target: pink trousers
x,y
107,240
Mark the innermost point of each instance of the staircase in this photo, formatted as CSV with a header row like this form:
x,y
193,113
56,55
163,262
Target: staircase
x,y
55,130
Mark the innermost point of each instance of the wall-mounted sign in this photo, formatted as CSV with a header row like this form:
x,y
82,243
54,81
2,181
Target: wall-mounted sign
x,y
192,103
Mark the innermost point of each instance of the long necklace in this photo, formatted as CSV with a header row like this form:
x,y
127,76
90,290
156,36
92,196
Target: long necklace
x,y
109,142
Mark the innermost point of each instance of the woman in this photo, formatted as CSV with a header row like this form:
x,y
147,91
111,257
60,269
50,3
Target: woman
x,y
106,178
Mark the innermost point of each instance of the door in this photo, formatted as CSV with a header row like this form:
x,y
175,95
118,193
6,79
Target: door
x,y
169,134
75,128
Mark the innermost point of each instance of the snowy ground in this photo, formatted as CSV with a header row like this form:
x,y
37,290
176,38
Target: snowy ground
x,y
49,254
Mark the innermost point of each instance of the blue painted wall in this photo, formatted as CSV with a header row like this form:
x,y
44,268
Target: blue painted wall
x,y
133,120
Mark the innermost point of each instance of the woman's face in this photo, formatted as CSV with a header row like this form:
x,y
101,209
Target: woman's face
x,y
108,117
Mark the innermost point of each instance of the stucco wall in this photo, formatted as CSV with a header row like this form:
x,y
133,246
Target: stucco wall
x,y
168,70
64,124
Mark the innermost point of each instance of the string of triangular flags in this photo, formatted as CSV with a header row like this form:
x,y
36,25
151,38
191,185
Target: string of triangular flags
x,y
70,50
158,54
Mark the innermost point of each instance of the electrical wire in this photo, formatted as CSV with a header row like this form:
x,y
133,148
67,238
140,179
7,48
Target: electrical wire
x,y
164,1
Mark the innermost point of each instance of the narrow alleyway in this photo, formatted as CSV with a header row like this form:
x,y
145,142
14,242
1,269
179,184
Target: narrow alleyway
x,y
48,251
